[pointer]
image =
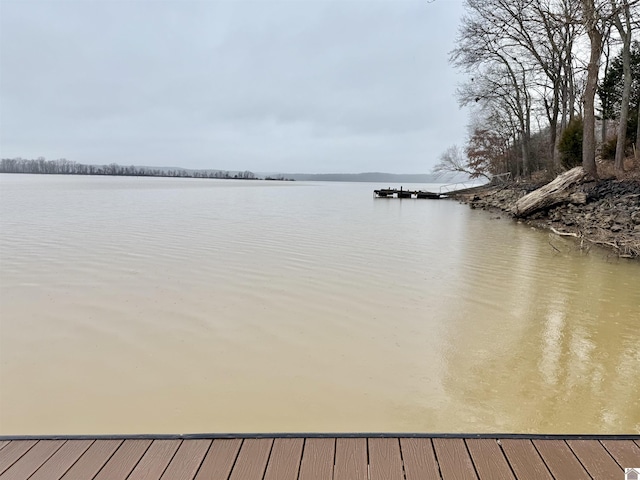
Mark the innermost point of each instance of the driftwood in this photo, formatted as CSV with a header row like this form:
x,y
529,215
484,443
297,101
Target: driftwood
x,y
564,234
626,246
553,193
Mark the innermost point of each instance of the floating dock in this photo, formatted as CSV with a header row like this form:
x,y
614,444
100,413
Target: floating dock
x,y
445,191
395,193
319,457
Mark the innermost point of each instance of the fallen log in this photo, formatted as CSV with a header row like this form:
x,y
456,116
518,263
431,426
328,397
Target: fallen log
x,y
553,193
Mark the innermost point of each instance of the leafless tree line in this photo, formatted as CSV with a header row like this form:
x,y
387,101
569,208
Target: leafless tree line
x,y
532,67
66,167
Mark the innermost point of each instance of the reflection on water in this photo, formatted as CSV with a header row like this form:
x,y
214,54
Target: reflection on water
x,y
185,305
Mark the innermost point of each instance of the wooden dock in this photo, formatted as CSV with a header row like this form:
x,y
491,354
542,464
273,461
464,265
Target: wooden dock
x,y
395,193
318,457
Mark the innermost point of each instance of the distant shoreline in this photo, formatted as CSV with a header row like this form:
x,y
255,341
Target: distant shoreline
x,y
42,166
149,176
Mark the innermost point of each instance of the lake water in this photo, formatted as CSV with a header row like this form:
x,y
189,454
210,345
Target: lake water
x,y
157,305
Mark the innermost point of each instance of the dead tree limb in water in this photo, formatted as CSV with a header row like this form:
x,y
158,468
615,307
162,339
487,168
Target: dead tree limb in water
x,y
565,234
553,193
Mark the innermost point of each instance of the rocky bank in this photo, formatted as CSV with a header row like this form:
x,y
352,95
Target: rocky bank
x,y
605,213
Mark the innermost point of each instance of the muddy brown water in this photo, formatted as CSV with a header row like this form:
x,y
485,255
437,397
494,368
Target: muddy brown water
x,y
151,305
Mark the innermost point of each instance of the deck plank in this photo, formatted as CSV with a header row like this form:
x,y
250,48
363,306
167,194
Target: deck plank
x,y
122,463
351,459
252,459
317,459
560,460
218,462
596,459
62,460
453,458
343,458
12,452
187,460
92,460
32,460
284,462
385,460
155,460
419,459
524,459
488,459
625,452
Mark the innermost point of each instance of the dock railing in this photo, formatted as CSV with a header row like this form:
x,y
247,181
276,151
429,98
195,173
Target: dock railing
x,y
501,178
459,186
452,187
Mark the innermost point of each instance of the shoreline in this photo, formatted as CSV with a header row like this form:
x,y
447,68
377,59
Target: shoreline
x,y
604,213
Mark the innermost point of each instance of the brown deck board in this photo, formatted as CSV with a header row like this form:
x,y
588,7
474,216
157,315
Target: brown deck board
x,y
124,460
93,460
62,460
155,460
317,459
488,459
595,459
284,462
625,452
419,459
252,459
524,459
341,458
32,460
385,460
219,460
453,458
351,459
560,460
12,452
187,460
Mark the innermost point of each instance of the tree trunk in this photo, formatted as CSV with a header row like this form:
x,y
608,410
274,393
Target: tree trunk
x,y
636,156
553,193
607,53
626,91
553,140
525,156
589,134
572,89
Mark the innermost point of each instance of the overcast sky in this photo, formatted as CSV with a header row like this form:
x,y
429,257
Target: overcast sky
x,y
269,86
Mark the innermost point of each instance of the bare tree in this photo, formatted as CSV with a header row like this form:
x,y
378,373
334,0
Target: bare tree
x,y
498,71
592,19
530,44
624,30
453,160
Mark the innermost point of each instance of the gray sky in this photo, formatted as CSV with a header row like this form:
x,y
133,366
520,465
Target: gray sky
x,y
290,86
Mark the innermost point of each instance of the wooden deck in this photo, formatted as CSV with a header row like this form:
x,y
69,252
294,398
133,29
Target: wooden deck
x,y
314,458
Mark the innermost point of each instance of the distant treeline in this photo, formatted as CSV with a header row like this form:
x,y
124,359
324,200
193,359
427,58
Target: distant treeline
x,y
373,177
66,167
